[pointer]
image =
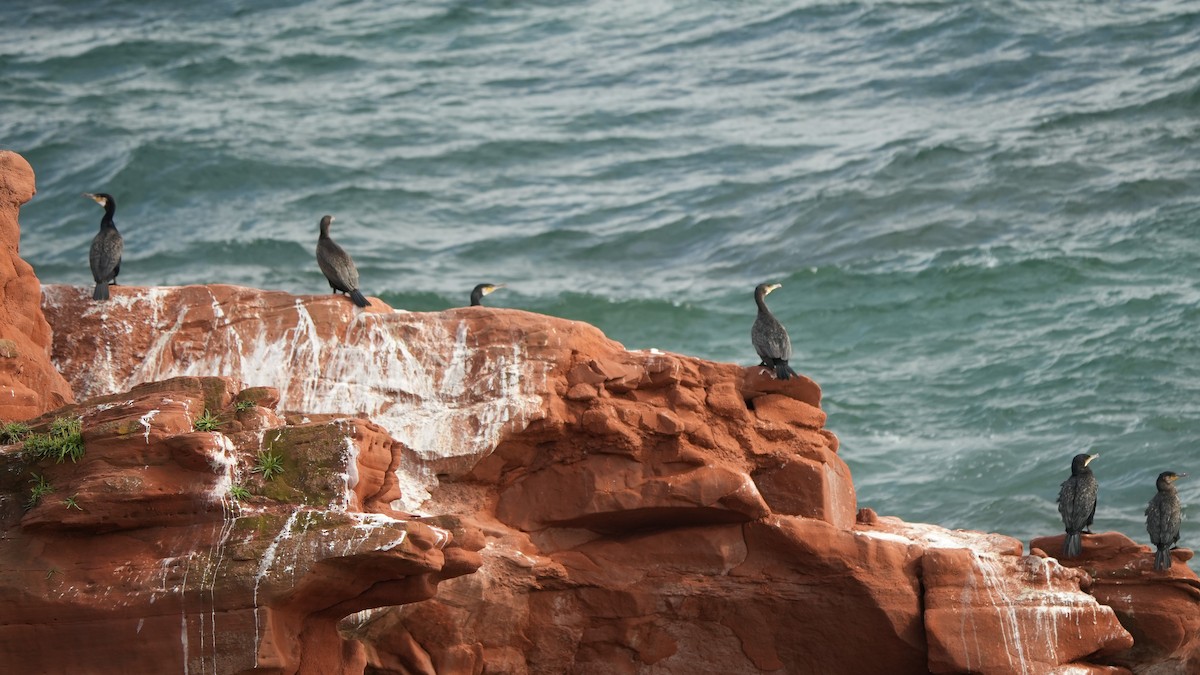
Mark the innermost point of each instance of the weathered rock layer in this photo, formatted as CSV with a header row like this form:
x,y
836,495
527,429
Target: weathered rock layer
x,y
643,511
148,549
29,384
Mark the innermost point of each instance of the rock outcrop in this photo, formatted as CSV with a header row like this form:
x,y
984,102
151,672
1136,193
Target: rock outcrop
x,y
1161,610
29,384
642,511
488,490
167,549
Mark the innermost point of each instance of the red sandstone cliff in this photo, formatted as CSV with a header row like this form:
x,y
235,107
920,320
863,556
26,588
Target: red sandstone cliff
x,y
144,559
29,384
587,509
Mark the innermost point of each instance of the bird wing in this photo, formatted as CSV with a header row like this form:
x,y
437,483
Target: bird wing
x,y
1163,518
337,266
105,255
770,339
1076,503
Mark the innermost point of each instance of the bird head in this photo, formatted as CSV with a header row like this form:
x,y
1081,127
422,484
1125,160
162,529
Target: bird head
x,y
763,290
100,198
1079,462
481,290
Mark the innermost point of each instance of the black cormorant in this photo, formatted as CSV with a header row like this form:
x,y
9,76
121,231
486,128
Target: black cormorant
x,y
337,266
1162,519
1077,503
107,246
482,290
770,338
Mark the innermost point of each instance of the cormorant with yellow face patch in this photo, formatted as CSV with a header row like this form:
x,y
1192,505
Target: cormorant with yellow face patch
x,y
1163,516
1077,503
770,338
107,247
482,290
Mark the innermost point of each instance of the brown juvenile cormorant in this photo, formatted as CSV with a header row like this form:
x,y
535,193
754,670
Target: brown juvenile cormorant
x,y
1077,504
337,266
1162,519
770,338
482,290
107,246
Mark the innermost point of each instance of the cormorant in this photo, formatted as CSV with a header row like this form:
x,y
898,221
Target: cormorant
x,y
770,338
1077,504
107,246
1162,518
482,290
337,266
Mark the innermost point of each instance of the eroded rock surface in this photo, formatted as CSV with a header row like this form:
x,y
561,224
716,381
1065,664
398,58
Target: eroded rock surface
x,y
1161,610
143,558
29,384
642,511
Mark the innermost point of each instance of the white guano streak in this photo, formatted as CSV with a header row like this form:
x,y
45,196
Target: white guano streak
x,y
418,378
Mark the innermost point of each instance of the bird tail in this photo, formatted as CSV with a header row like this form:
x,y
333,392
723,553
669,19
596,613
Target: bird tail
x,y
782,370
357,297
1162,558
101,292
1072,545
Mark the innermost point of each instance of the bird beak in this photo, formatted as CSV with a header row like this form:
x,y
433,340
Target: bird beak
x,y
773,287
93,197
1090,458
1178,476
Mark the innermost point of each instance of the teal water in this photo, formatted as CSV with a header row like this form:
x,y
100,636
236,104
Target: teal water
x,y
983,214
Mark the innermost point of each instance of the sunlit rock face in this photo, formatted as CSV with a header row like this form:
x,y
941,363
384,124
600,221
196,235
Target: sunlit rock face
x,y
29,384
446,385
166,549
640,511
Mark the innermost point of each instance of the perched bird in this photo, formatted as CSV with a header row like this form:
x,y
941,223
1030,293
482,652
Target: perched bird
x,y
482,290
107,246
1077,503
770,338
337,266
1162,518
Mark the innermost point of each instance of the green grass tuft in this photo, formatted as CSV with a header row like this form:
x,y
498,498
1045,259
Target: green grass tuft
x,y
269,464
41,488
206,422
239,493
63,441
243,406
13,432
71,503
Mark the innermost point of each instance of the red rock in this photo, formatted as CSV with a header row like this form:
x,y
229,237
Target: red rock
x,y
582,392
143,530
29,384
757,381
784,410
585,495
1161,610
